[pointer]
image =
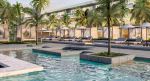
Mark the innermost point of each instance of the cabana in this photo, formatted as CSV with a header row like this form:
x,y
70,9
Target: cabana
x,y
128,27
82,28
64,31
44,33
146,25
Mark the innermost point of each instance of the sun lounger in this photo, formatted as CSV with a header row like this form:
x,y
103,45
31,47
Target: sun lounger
x,y
135,41
146,43
56,38
87,40
48,38
66,39
44,39
120,41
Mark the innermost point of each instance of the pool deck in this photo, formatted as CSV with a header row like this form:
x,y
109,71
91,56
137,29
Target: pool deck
x,y
138,53
57,52
16,66
7,47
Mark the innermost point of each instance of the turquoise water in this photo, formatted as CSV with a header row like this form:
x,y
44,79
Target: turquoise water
x,y
73,69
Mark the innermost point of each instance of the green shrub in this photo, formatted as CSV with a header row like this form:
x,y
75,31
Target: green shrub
x,y
105,54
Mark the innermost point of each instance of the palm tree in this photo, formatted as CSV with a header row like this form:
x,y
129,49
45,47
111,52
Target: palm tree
x,y
66,21
81,18
94,19
5,15
51,22
58,25
141,11
109,11
19,15
2,3
35,14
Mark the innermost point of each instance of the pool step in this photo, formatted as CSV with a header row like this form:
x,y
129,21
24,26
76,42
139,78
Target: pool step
x,y
16,66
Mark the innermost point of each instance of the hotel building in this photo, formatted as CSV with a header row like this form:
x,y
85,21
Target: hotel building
x,y
116,32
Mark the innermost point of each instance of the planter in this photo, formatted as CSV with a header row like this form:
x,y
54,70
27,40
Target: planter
x,y
107,60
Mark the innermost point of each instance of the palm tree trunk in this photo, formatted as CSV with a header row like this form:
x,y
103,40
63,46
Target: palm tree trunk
x,y
109,28
103,32
4,27
112,32
4,30
120,32
60,32
36,33
21,33
68,32
16,34
74,32
30,32
56,32
141,32
146,36
52,33
90,31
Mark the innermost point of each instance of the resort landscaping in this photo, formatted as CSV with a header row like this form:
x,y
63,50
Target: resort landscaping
x,y
103,57
92,40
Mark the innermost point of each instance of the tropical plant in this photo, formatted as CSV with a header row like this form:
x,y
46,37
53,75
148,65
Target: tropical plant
x,y
51,22
18,10
2,2
5,15
94,19
81,19
66,19
108,10
35,14
141,11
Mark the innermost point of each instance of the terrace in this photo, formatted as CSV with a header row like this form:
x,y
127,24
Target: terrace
x,y
77,41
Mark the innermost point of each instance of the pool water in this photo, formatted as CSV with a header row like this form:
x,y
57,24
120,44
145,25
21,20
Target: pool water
x,y
72,69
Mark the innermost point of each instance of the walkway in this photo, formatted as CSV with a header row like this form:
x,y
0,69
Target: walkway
x,y
138,53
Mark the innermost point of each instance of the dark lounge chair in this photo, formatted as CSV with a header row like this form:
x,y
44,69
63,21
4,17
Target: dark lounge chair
x,y
135,41
146,43
120,41
87,40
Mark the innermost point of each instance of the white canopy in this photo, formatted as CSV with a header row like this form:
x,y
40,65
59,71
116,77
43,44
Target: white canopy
x,y
47,31
127,26
146,24
65,28
82,27
43,29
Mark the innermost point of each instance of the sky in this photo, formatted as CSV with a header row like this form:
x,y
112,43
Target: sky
x,y
54,4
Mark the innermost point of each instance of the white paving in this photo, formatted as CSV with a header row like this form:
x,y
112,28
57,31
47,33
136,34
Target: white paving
x,y
138,53
16,66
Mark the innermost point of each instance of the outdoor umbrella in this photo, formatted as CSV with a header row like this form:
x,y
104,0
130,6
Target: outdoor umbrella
x,y
146,25
64,29
82,28
73,27
42,30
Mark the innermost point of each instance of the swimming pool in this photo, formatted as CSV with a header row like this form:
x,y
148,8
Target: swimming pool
x,y
72,69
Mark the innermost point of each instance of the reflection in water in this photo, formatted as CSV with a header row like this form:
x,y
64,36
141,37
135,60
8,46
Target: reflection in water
x,y
25,55
73,69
